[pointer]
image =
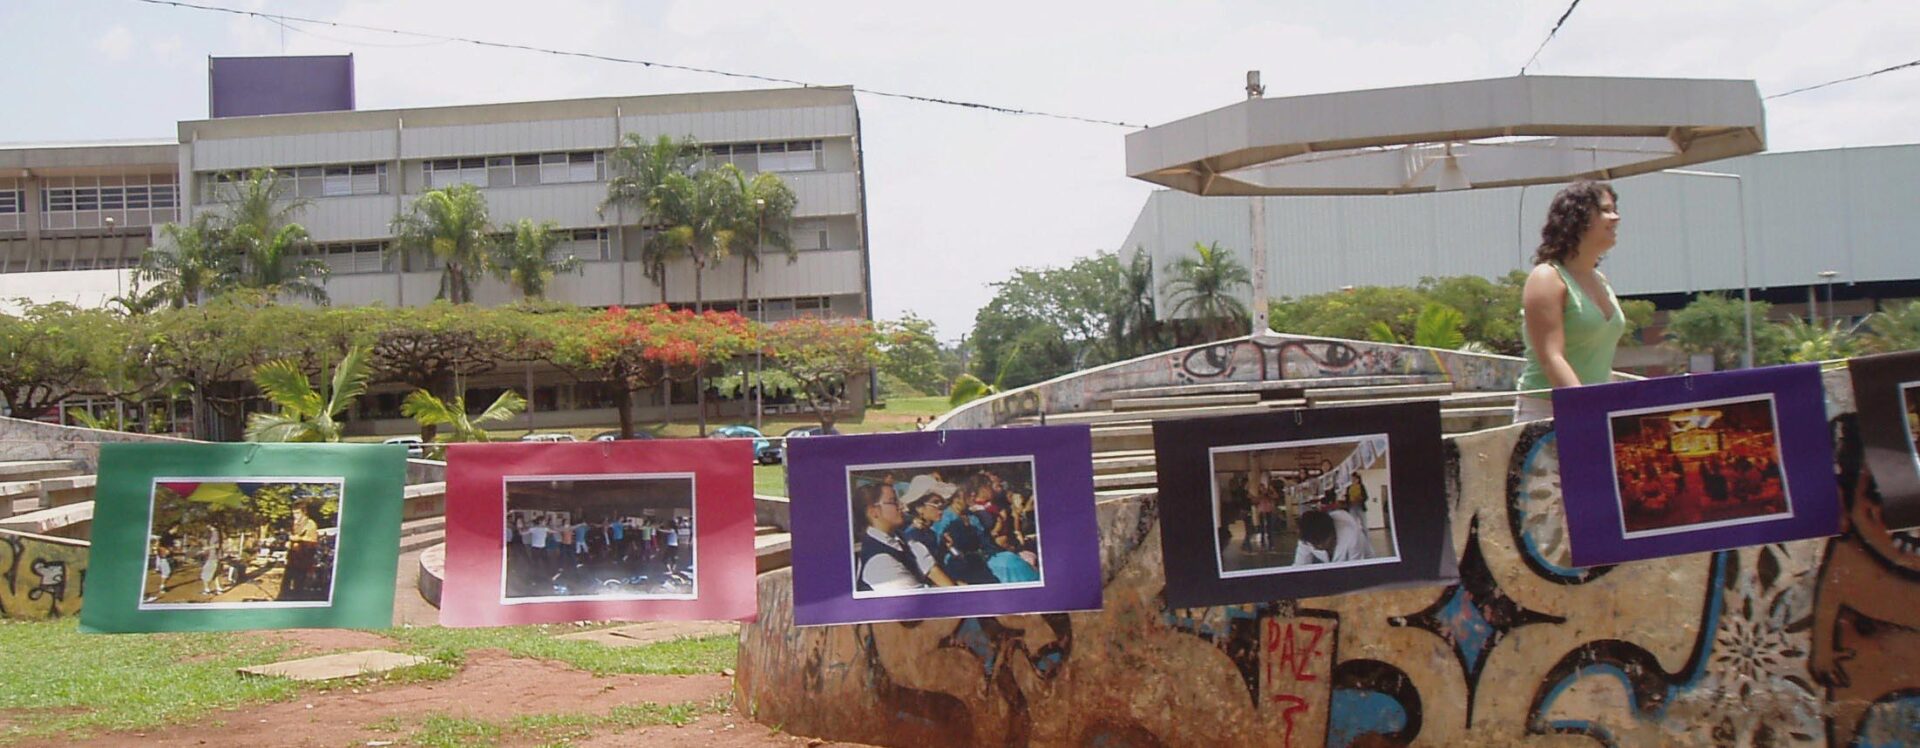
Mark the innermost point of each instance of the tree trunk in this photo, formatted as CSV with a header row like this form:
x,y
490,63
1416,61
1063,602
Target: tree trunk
x,y
623,400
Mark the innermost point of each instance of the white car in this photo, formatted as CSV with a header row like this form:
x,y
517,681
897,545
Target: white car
x,y
548,438
415,448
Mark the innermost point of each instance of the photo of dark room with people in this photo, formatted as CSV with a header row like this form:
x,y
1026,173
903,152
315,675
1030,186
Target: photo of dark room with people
x,y
1695,465
599,537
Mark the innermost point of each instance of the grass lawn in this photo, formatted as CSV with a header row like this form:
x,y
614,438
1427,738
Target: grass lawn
x,y
55,680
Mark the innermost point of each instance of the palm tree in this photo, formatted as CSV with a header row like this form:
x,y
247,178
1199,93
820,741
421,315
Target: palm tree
x,y
194,268
769,203
640,170
1896,328
451,224
432,412
524,261
1202,287
257,227
306,414
1132,327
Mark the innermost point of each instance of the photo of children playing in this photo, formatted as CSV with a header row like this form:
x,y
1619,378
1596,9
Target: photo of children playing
x,y
1695,465
927,528
251,542
1292,505
599,538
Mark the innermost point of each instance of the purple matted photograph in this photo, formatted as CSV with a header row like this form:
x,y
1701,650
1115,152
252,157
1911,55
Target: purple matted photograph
x,y
1696,463
909,526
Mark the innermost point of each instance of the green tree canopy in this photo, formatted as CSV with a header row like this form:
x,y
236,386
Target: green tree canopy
x,y
451,226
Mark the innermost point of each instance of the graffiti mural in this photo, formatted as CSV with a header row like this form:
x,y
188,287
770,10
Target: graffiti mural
x,y
1813,643
40,577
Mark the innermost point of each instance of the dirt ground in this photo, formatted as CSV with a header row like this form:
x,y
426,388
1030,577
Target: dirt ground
x,y
491,686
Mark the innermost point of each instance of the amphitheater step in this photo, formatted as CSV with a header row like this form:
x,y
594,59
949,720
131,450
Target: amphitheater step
x,y
759,530
1107,417
1462,420
416,541
1185,401
1122,462
1122,493
772,551
1145,479
1455,400
23,470
1319,395
1271,386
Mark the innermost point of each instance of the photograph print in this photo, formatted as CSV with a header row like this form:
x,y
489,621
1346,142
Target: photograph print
x,y
1700,465
1886,395
237,542
928,528
598,537
1314,503
1290,504
1695,463
943,524
222,537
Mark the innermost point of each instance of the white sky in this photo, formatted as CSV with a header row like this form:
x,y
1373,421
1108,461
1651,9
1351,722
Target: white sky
x,y
958,198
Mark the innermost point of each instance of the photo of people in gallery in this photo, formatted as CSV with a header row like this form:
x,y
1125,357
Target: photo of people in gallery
x,y
1697,465
241,542
1292,505
599,538
929,528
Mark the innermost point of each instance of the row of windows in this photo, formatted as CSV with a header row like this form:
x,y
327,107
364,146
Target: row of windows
x,y
12,201
132,197
310,181
354,257
796,155
517,171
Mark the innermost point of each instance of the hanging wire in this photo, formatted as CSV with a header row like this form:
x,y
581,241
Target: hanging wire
x,y
281,18
1850,78
1555,30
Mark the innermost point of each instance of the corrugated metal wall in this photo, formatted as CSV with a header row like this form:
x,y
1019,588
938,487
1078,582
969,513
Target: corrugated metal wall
x,y
1855,211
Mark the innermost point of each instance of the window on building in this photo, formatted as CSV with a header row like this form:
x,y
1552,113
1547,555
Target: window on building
x,y
589,245
353,258
10,202
808,235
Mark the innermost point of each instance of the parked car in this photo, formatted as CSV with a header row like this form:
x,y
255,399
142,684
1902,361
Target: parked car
x,y
765,451
799,431
415,448
548,438
608,436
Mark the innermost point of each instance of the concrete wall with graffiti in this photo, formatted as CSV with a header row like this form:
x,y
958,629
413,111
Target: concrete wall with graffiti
x,y
33,440
1808,643
1244,359
40,576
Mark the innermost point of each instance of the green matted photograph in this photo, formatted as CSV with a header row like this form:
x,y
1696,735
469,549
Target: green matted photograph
x,y
204,537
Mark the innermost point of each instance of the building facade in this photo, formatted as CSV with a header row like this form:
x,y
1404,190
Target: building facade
x,y
71,224
1787,219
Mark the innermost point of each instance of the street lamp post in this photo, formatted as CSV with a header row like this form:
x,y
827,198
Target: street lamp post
x,y
1827,275
117,258
760,311
1746,283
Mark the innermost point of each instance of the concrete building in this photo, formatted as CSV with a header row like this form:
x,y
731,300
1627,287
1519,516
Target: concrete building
x,y
1847,210
545,161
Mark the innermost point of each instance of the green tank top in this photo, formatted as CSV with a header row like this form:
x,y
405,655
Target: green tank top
x,y
1591,337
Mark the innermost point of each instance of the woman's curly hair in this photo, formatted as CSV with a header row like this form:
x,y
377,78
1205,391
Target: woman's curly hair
x,y
1567,219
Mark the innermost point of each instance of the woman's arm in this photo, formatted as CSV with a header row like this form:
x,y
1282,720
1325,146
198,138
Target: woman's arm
x,y
1545,299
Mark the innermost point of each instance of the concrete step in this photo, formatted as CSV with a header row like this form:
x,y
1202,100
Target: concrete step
x,y
1136,479
1122,493
772,551
1122,462
424,524
1455,400
1144,416
17,507
759,530
19,470
1185,401
1474,419
1319,395
49,521
1271,386
68,490
420,540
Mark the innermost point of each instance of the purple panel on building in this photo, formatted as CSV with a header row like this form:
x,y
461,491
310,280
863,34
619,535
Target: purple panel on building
x,y
247,86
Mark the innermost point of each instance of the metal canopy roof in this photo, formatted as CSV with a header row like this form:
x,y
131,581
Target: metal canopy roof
x,y
1487,133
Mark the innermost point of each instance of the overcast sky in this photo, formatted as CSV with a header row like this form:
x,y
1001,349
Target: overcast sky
x,y
958,198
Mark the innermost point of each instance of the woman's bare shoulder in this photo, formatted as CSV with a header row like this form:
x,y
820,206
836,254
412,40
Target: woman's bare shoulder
x,y
1544,277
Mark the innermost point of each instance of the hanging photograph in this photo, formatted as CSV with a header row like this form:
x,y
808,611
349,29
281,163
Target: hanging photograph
x,y
929,528
220,542
943,524
1696,463
599,537
648,530
191,537
1886,389
1290,504
1308,504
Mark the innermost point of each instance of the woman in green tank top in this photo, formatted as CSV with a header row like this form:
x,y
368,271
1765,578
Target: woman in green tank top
x,y
1570,316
